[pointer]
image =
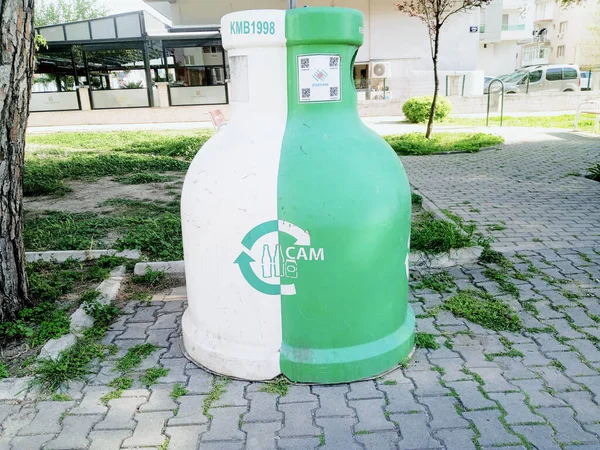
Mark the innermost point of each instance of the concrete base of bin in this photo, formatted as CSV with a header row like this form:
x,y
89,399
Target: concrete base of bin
x,y
233,359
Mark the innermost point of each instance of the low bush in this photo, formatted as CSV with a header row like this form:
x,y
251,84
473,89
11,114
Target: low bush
x,y
416,109
418,144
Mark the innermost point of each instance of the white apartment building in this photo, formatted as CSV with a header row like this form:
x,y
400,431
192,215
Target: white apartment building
x,y
563,35
505,26
390,36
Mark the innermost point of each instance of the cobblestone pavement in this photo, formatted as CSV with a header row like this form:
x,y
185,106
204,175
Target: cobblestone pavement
x,y
480,389
523,194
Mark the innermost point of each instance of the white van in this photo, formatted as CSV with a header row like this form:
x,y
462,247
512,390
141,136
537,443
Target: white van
x,y
550,77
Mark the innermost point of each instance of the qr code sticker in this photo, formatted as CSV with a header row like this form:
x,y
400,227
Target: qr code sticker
x,y
306,94
334,62
333,92
304,63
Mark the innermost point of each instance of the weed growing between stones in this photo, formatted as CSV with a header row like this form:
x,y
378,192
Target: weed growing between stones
x,y
438,282
178,391
432,236
426,340
143,178
215,393
152,375
134,357
121,383
279,386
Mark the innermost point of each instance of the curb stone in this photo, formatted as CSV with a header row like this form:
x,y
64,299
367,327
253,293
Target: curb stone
x,y
80,255
80,320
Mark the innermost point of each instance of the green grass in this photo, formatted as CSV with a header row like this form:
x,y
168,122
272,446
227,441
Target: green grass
x,y
144,178
425,340
134,357
431,235
438,282
178,391
416,199
3,371
117,393
417,144
121,383
483,309
215,393
279,386
61,398
563,121
152,375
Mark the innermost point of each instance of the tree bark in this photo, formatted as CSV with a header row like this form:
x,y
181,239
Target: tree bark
x,y
16,73
436,83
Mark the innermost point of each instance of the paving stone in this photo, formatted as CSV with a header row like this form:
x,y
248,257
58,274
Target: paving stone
x,y
419,362
120,413
297,394
261,436
442,352
548,343
470,396
190,411
386,440
567,429
332,400
233,394
453,369
555,379
108,440
149,428
175,350
532,355
221,445
400,397
13,423
474,357
263,406
494,381
173,306
91,403
492,431
166,321
74,432
426,325
537,396
573,365
160,399
28,442
176,368
414,433
580,317
582,447
144,314
456,439
428,384
46,419
185,438
443,410
586,411
338,433
224,424
160,338
563,328
370,415
363,390
298,420
513,369
516,408
303,443
587,349
593,384
134,331
545,311
538,435
6,410
14,388
200,381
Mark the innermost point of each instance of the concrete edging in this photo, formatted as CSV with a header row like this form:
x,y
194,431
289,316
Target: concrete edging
x,y
80,320
80,255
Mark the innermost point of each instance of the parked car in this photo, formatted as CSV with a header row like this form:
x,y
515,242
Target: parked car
x,y
586,80
551,77
488,80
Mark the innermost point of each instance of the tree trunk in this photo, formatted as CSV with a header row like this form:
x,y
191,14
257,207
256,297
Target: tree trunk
x,y
436,84
16,73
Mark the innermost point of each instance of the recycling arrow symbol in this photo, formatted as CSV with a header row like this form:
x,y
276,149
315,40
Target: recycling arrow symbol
x,y
244,259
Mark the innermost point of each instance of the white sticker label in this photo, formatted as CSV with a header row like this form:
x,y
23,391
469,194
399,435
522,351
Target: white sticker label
x,y
319,78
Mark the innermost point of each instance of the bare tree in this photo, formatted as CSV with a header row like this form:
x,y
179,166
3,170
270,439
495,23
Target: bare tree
x,y
16,73
434,14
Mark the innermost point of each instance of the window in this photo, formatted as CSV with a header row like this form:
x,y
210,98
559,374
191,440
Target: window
x,y
562,27
504,20
569,74
535,76
553,74
560,51
196,66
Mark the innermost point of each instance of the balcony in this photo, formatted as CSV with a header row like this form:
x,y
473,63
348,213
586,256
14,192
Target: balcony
x,y
519,27
535,54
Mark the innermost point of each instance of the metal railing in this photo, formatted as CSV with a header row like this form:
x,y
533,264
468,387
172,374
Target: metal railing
x,y
487,119
513,27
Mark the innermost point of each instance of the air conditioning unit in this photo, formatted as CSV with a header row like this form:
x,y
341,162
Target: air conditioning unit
x,y
381,69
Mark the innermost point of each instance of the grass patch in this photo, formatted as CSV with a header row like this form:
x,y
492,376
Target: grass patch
x,y
483,309
215,393
134,357
562,121
118,393
416,199
280,386
61,398
432,236
438,282
121,383
425,340
152,375
144,178
178,391
417,144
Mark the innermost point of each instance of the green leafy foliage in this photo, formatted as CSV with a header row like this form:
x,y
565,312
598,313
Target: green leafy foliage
x,y
144,178
431,235
3,371
152,375
416,199
61,398
121,383
418,144
438,282
483,309
178,391
426,340
594,172
280,386
417,109
150,278
134,357
37,324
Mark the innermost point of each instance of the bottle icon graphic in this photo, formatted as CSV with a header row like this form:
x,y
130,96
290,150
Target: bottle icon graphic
x,y
266,262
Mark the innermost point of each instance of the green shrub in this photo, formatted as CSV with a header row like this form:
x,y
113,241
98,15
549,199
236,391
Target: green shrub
x,y
416,109
418,144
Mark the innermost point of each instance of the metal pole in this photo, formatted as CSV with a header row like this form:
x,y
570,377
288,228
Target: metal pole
x,y
145,52
291,4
